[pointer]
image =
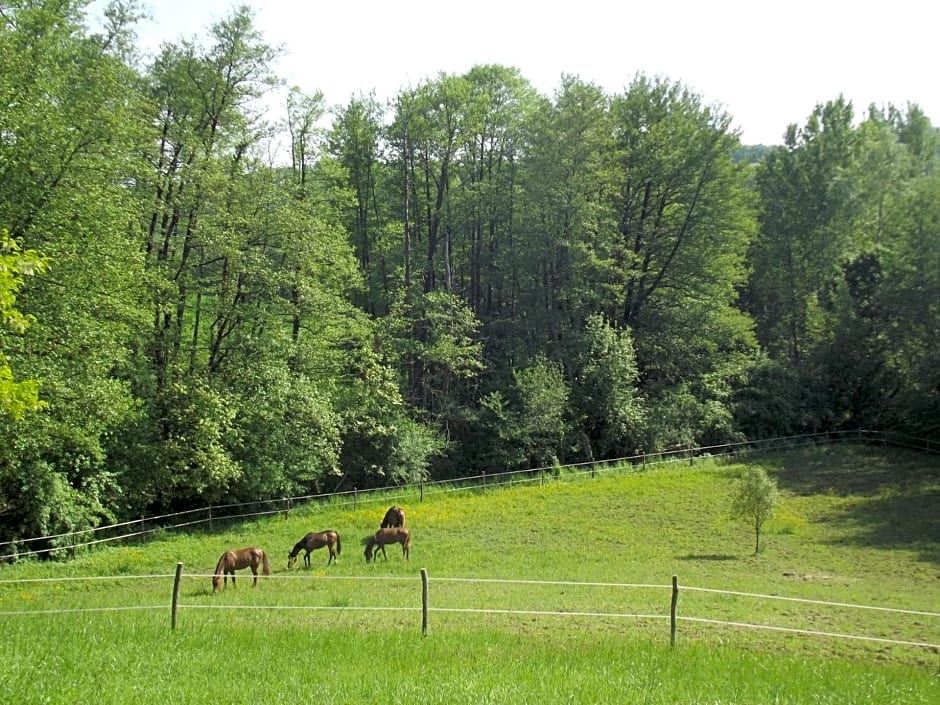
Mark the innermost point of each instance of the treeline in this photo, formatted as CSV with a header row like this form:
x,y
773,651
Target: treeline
x,y
472,277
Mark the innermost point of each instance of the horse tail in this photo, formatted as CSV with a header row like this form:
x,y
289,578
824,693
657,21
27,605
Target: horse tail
x,y
266,563
339,544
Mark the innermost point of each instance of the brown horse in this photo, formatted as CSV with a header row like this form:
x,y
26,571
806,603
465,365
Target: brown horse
x,y
313,541
383,537
395,516
231,561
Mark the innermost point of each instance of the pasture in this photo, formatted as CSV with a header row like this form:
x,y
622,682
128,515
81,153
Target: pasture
x,y
547,591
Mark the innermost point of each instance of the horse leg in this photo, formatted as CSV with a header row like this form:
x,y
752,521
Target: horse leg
x,y
382,546
254,571
307,559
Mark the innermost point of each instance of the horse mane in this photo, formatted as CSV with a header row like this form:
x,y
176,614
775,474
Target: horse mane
x,y
220,566
297,546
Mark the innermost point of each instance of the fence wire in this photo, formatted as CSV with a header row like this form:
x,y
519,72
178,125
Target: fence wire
x,y
74,540
491,611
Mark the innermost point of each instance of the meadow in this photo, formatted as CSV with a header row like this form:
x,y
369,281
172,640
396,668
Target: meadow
x,y
557,589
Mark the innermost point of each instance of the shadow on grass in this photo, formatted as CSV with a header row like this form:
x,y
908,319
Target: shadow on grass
x,y
903,520
708,557
899,492
851,470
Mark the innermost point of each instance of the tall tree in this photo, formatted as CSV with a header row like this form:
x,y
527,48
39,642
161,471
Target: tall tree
x,y
678,256
356,143
901,300
426,130
494,140
199,256
69,146
806,222
560,264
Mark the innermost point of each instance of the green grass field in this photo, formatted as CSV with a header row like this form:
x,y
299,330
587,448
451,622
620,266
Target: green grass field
x,y
555,590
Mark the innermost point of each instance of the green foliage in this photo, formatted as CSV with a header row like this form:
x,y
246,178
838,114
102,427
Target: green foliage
x,y
774,400
69,151
841,209
16,398
605,400
434,338
471,277
807,220
381,443
561,250
754,499
540,425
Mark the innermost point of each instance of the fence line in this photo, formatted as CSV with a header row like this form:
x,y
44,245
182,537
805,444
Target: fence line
x,y
562,583
545,613
810,632
76,610
467,610
814,602
82,578
298,576
507,581
312,608
567,583
284,504
426,608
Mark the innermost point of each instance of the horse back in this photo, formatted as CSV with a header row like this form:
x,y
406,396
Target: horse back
x,y
398,534
318,539
245,557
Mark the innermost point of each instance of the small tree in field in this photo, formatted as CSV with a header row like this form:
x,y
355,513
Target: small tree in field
x,y
754,500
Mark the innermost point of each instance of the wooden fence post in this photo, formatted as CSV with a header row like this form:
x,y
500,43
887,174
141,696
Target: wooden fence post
x,y
672,610
483,476
422,490
424,602
176,594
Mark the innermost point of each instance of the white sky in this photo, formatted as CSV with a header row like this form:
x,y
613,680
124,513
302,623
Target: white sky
x,y
767,64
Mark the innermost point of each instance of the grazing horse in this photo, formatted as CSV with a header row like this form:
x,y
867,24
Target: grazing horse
x,y
395,516
231,561
313,541
381,538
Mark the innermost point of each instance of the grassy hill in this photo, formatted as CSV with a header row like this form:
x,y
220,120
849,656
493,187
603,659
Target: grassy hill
x,y
550,590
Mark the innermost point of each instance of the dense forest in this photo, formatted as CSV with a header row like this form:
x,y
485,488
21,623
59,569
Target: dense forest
x,y
469,277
